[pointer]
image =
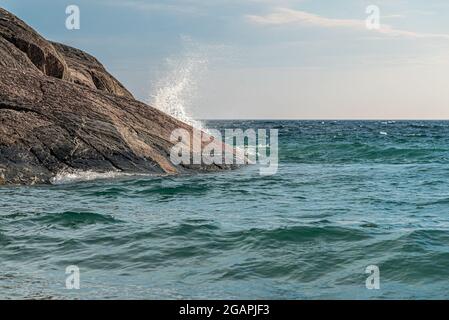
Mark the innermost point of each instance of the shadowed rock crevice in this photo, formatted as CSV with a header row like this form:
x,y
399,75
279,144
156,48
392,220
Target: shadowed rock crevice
x,y
61,111
45,62
40,52
87,71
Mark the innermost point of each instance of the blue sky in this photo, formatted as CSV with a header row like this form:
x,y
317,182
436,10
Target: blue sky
x,y
265,58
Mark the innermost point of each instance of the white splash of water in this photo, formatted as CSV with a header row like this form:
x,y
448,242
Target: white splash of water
x,y
176,91
84,176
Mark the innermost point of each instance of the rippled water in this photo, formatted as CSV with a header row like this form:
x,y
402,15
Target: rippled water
x,y
347,195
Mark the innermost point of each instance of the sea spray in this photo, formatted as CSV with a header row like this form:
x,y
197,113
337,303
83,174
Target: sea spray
x,y
75,176
176,91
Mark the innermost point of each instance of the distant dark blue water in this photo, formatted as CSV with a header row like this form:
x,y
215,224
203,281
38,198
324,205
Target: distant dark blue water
x,y
348,194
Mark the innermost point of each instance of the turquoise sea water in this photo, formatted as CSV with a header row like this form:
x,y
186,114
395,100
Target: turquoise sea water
x,y
348,194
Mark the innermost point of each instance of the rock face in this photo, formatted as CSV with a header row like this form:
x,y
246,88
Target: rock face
x,y
89,72
38,50
61,111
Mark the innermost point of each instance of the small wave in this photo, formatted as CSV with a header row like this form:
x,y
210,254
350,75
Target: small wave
x,y
83,176
298,234
177,190
71,218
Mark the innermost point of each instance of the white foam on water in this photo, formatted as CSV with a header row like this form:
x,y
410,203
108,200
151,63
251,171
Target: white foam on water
x,y
83,176
177,89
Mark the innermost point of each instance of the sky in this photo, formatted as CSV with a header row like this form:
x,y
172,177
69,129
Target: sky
x,y
265,59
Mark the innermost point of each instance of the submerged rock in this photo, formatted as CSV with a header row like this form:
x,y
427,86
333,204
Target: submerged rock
x,y
61,111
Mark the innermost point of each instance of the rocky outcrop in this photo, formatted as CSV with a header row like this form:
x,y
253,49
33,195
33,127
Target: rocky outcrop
x,y
89,72
61,111
39,51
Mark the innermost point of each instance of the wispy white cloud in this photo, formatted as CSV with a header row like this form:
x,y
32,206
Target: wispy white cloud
x,y
282,16
393,16
286,16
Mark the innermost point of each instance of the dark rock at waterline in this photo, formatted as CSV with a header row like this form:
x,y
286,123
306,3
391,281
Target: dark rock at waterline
x,y
61,111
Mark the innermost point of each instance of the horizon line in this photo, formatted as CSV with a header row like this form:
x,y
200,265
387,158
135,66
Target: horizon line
x,y
318,119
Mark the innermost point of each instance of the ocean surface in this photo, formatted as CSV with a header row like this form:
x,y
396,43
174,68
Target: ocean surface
x,y
348,194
